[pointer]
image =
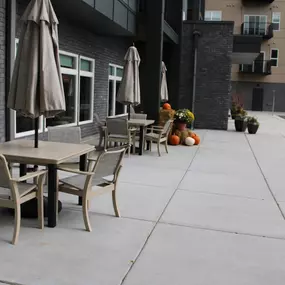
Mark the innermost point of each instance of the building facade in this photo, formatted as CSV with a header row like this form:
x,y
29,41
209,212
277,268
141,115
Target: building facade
x,y
261,82
94,36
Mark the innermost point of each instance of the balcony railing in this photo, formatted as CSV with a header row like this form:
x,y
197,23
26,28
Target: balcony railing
x,y
257,29
259,2
262,67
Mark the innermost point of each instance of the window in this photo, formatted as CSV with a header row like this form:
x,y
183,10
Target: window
x,y
78,84
213,16
115,78
274,57
276,19
185,8
255,25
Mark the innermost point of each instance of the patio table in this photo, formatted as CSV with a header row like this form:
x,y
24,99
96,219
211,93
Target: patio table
x,y
142,124
49,154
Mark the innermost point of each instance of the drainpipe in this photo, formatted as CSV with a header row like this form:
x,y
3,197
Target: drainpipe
x,y
196,35
10,56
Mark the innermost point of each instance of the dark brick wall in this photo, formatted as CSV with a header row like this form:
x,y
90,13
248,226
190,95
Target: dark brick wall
x,y
244,90
105,51
213,82
2,67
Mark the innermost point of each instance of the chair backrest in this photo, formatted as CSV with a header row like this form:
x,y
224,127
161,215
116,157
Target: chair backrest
x,y
108,164
97,120
125,115
167,127
138,116
117,126
65,134
5,175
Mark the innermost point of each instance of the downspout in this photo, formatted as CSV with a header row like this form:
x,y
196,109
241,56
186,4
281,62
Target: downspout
x,y
10,56
196,35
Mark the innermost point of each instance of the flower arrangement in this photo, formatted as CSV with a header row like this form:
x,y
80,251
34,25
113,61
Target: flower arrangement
x,y
184,116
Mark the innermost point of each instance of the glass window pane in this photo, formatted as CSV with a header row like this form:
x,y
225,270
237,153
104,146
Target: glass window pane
x,y
67,61
67,117
111,70
274,62
207,15
276,17
86,65
23,124
120,108
274,53
85,98
111,86
119,72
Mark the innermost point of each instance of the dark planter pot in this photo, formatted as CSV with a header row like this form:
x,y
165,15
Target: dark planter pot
x,y
180,126
234,116
240,125
252,129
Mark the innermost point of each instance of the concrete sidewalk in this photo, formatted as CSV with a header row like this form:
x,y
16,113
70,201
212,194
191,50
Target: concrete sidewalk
x,y
200,215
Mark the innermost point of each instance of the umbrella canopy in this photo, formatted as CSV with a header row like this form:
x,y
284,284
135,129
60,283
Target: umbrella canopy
x,y
164,89
129,91
36,87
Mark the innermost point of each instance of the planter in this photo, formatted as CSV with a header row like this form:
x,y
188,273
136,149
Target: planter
x,y
181,126
240,125
252,128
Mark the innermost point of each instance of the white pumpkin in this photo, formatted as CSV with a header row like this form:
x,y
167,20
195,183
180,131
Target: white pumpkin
x,y
189,141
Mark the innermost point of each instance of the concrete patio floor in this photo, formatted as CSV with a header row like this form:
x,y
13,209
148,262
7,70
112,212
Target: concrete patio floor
x,y
212,214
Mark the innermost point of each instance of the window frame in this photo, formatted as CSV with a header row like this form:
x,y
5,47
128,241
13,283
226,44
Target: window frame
x,y
277,59
89,74
279,23
115,79
252,15
211,13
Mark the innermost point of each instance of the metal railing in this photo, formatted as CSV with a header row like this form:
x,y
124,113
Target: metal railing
x,y
258,67
257,29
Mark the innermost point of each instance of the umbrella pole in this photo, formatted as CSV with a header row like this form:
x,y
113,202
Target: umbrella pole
x,y
36,132
129,111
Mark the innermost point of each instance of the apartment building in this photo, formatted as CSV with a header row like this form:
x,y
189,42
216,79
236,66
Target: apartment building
x,y
94,36
262,82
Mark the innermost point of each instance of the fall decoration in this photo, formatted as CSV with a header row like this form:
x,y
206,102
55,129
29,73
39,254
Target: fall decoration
x,y
174,140
182,135
184,116
252,125
196,138
166,106
189,141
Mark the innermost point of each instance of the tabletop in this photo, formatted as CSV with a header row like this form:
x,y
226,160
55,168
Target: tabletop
x,y
140,122
23,151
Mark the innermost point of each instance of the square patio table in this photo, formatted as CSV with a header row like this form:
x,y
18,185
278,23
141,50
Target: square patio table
x,y
49,154
142,124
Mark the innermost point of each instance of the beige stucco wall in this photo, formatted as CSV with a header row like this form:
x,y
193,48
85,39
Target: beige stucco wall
x,y
234,11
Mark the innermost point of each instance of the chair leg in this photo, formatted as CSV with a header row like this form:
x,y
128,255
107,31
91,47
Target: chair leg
x,y
115,205
40,208
158,148
85,214
105,143
17,222
100,139
166,146
150,145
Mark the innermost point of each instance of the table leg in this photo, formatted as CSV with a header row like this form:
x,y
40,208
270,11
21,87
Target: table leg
x,y
23,169
52,195
141,140
82,167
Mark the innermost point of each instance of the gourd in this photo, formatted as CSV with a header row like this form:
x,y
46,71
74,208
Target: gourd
x,y
166,106
196,138
189,141
174,140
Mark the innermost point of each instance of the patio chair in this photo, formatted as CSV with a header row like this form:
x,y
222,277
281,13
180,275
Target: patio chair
x,y
14,192
101,177
65,135
101,126
159,135
118,131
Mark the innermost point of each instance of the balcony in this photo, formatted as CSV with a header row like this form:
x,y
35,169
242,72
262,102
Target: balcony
x,y
265,30
259,2
261,67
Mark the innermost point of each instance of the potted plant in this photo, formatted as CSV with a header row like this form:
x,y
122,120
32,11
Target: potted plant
x,y
252,125
183,117
241,123
234,110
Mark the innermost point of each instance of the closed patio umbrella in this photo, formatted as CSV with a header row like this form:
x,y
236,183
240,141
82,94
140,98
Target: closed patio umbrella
x,y
36,87
164,89
129,91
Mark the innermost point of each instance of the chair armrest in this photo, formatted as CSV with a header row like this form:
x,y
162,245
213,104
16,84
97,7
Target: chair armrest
x,y
92,159
29,176
75,171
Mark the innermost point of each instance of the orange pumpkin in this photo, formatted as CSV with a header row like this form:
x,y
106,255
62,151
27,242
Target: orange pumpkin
x,y
166,106
196,138
174,140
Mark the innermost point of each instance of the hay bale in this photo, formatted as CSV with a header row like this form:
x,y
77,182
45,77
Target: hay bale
x,y
165,115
